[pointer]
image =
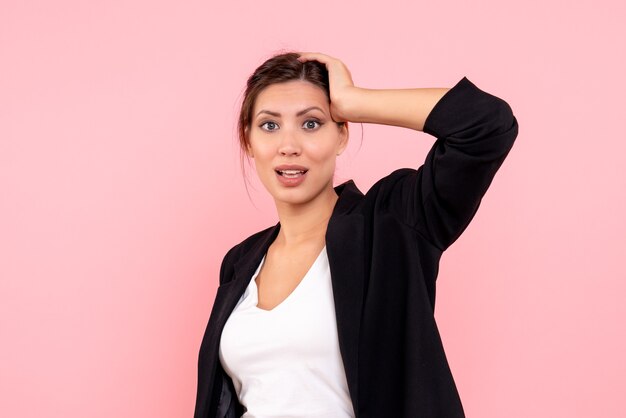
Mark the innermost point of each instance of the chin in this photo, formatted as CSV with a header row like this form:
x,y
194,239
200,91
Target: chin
x,y
292,198
295,196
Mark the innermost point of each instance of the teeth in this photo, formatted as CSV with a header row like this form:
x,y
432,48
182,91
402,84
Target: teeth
x,y
291,173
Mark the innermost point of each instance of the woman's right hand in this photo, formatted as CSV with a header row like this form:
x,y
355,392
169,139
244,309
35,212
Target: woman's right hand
x,y
342,89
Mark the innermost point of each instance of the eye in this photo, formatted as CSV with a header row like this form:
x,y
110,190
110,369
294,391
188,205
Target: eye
x,y
312,124
269,126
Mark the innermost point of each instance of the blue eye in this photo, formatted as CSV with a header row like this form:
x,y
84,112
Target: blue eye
x,y
269,126
312,124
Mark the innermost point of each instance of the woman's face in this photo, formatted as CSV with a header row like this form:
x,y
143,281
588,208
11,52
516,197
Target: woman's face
x,y
294,141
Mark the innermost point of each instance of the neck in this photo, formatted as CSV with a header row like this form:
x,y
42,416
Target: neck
x,y
307,221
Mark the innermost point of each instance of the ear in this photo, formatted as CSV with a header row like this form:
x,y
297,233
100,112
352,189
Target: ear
x,y
344,136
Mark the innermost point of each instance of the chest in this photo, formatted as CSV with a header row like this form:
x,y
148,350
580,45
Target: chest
x,y
281,272
302,326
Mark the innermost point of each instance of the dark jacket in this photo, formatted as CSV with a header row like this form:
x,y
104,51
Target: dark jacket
x,y
384,249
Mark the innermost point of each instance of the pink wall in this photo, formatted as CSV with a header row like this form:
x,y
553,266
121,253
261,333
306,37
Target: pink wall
x,y
120,192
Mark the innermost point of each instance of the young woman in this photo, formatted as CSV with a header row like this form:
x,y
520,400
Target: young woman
x,y
330,312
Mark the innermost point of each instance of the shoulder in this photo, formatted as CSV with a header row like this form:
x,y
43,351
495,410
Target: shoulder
x,y
392,185
240,250
248,243
392,178
354,202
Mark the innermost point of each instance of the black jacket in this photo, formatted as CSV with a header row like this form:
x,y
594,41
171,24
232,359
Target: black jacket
x,y
384,249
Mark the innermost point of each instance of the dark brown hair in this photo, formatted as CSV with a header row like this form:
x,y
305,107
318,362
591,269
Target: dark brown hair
x,y
278,69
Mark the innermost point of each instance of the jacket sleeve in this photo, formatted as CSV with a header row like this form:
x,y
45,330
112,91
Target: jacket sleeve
x,y
475,131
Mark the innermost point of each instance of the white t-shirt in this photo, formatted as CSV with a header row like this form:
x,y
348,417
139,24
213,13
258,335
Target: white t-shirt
x,y
285,362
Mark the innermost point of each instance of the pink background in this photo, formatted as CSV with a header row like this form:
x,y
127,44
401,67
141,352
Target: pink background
x,y
120,192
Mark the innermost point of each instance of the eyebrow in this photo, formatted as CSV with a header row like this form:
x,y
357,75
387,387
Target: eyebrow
x,y
300,113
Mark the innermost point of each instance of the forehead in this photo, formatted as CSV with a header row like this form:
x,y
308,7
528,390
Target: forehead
x,y
290,95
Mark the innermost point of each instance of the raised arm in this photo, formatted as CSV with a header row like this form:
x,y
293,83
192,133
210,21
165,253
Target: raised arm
x,y
474,129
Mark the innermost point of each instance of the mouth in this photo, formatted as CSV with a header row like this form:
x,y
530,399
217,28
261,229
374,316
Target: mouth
x,y
291,173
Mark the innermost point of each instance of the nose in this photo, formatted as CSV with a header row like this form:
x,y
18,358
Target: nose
x,y
289,144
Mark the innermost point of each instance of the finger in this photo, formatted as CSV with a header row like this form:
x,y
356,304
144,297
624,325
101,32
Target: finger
x,y
315,56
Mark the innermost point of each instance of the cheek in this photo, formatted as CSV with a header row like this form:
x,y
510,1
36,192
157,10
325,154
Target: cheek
x,y
323,158
322,150
262,152
327,158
